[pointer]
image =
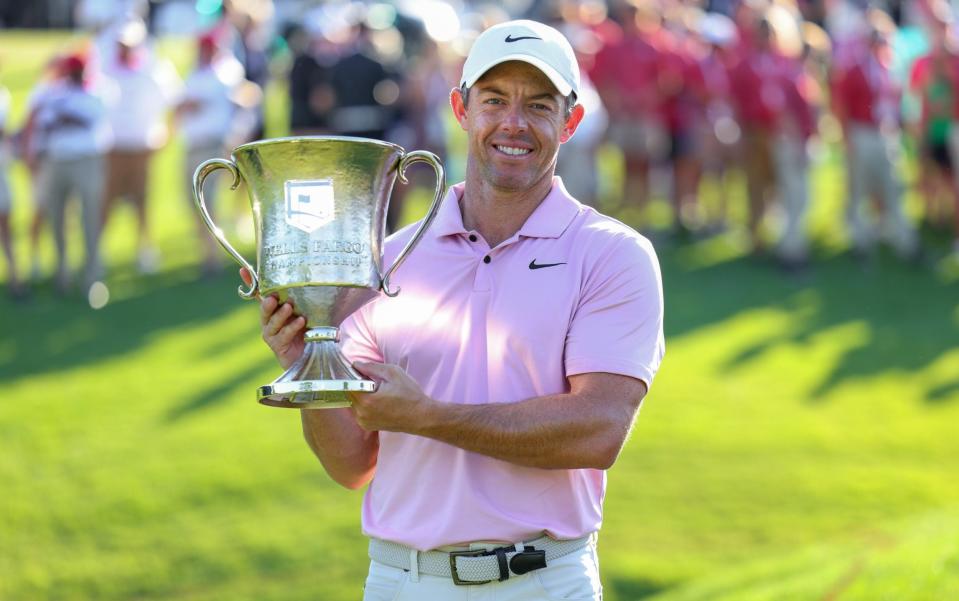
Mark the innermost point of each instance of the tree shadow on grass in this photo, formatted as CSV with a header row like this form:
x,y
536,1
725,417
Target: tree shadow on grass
x,y
943,393
635,589
48,334
906,312
219,394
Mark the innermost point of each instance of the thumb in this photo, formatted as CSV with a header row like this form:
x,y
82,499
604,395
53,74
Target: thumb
x,y
246,276
377,371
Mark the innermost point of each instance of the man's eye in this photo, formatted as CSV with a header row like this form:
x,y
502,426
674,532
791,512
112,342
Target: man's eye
x,y
493,101
540,107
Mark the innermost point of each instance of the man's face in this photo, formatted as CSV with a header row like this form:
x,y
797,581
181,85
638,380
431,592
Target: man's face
x,y
514,122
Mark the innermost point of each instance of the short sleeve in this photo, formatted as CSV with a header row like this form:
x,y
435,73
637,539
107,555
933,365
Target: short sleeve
x,y
357,341
618,325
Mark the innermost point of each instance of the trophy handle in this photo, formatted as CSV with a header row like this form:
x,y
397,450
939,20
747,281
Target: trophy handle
x,y
199,176
417,156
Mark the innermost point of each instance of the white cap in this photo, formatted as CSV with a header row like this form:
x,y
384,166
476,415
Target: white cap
x,y
718,29
539,45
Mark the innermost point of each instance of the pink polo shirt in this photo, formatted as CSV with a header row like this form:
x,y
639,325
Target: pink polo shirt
x,y
573,292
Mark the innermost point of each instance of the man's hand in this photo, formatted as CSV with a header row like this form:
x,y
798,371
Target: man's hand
x,y
282,329
398,405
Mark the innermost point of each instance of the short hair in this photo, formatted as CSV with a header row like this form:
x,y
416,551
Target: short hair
x,y
568,101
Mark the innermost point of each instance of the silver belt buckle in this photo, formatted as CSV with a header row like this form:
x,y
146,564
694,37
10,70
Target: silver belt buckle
x,y
455,575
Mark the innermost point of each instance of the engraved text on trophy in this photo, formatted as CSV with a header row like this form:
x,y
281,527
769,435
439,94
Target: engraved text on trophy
x,y
343,253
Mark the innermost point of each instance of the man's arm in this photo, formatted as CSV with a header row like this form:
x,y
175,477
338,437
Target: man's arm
x,y
348,452
584,428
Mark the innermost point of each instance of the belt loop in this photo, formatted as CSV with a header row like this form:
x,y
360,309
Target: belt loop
x,y
414,565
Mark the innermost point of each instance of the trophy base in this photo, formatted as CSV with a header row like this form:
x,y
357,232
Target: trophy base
x,y
312,394
321,379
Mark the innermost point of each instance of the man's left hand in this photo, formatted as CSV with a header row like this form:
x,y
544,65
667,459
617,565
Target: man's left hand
x,y
398,403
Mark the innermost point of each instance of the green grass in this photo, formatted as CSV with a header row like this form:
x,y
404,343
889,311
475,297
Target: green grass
x,y
800,441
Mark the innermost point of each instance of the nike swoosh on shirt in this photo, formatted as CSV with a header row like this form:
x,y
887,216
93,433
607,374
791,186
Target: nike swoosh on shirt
x,y
510,39
534,265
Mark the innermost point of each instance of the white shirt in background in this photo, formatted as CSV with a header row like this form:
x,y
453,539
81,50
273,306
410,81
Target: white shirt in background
x,y
73,141
138,101
211,88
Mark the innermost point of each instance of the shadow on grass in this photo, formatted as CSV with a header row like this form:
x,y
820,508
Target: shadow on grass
x,y
635,589
944,392
50,334
217,395
906,311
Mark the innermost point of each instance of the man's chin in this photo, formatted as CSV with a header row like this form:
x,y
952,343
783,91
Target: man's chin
x,y
511,182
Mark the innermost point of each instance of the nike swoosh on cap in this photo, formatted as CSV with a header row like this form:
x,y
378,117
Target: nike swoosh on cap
x,y
534,265
510,39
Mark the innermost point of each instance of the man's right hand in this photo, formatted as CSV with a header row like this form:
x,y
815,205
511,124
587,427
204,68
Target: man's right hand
x,y
282,329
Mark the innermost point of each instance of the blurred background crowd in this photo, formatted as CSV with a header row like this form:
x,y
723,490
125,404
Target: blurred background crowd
x,y
740,96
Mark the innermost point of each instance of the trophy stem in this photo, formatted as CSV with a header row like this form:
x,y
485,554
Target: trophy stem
x,y
320,378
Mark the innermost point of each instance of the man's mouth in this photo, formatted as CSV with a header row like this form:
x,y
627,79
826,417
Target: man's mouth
x,y
512,150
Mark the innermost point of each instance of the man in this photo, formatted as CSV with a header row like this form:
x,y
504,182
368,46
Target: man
x,y
207,116
73,122
867,105
6,201
143,89
511,365
626,71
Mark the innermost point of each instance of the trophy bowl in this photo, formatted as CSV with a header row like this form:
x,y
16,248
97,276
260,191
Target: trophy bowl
x,y
319,211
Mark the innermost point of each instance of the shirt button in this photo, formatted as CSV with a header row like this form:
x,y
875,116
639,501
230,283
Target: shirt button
x,y
486,259
472,237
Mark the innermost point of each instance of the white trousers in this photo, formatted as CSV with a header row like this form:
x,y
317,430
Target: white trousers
x,y
792,171
873,171
574,576
84,177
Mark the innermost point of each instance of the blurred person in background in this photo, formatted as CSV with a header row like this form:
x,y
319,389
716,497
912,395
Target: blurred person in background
x,y
210,121
933,79
720,133
244,30
683,96
311,97
74,123
625,72
424,98
758,83
104,19
578,161
140,94
14,285
365,93
366,96
426,94
795,127
868,108
30,149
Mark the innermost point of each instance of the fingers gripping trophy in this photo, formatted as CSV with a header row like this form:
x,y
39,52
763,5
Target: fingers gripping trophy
x,y
319,210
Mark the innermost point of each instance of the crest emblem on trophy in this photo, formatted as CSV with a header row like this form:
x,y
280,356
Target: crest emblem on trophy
x,y
320,250
309,204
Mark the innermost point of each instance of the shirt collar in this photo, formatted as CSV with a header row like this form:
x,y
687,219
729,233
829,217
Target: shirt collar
x,y
549,220
449,218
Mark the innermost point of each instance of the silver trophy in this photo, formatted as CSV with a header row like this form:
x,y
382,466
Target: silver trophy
x,y
319,208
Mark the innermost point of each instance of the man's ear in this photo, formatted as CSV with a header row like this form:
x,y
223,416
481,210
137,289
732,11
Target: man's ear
x,y
569,128
458,106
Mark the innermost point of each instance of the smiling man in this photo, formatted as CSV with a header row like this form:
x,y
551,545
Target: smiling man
x,y
510,368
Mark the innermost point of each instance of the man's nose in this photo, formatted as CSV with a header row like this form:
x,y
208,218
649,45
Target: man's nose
x,y
515,119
